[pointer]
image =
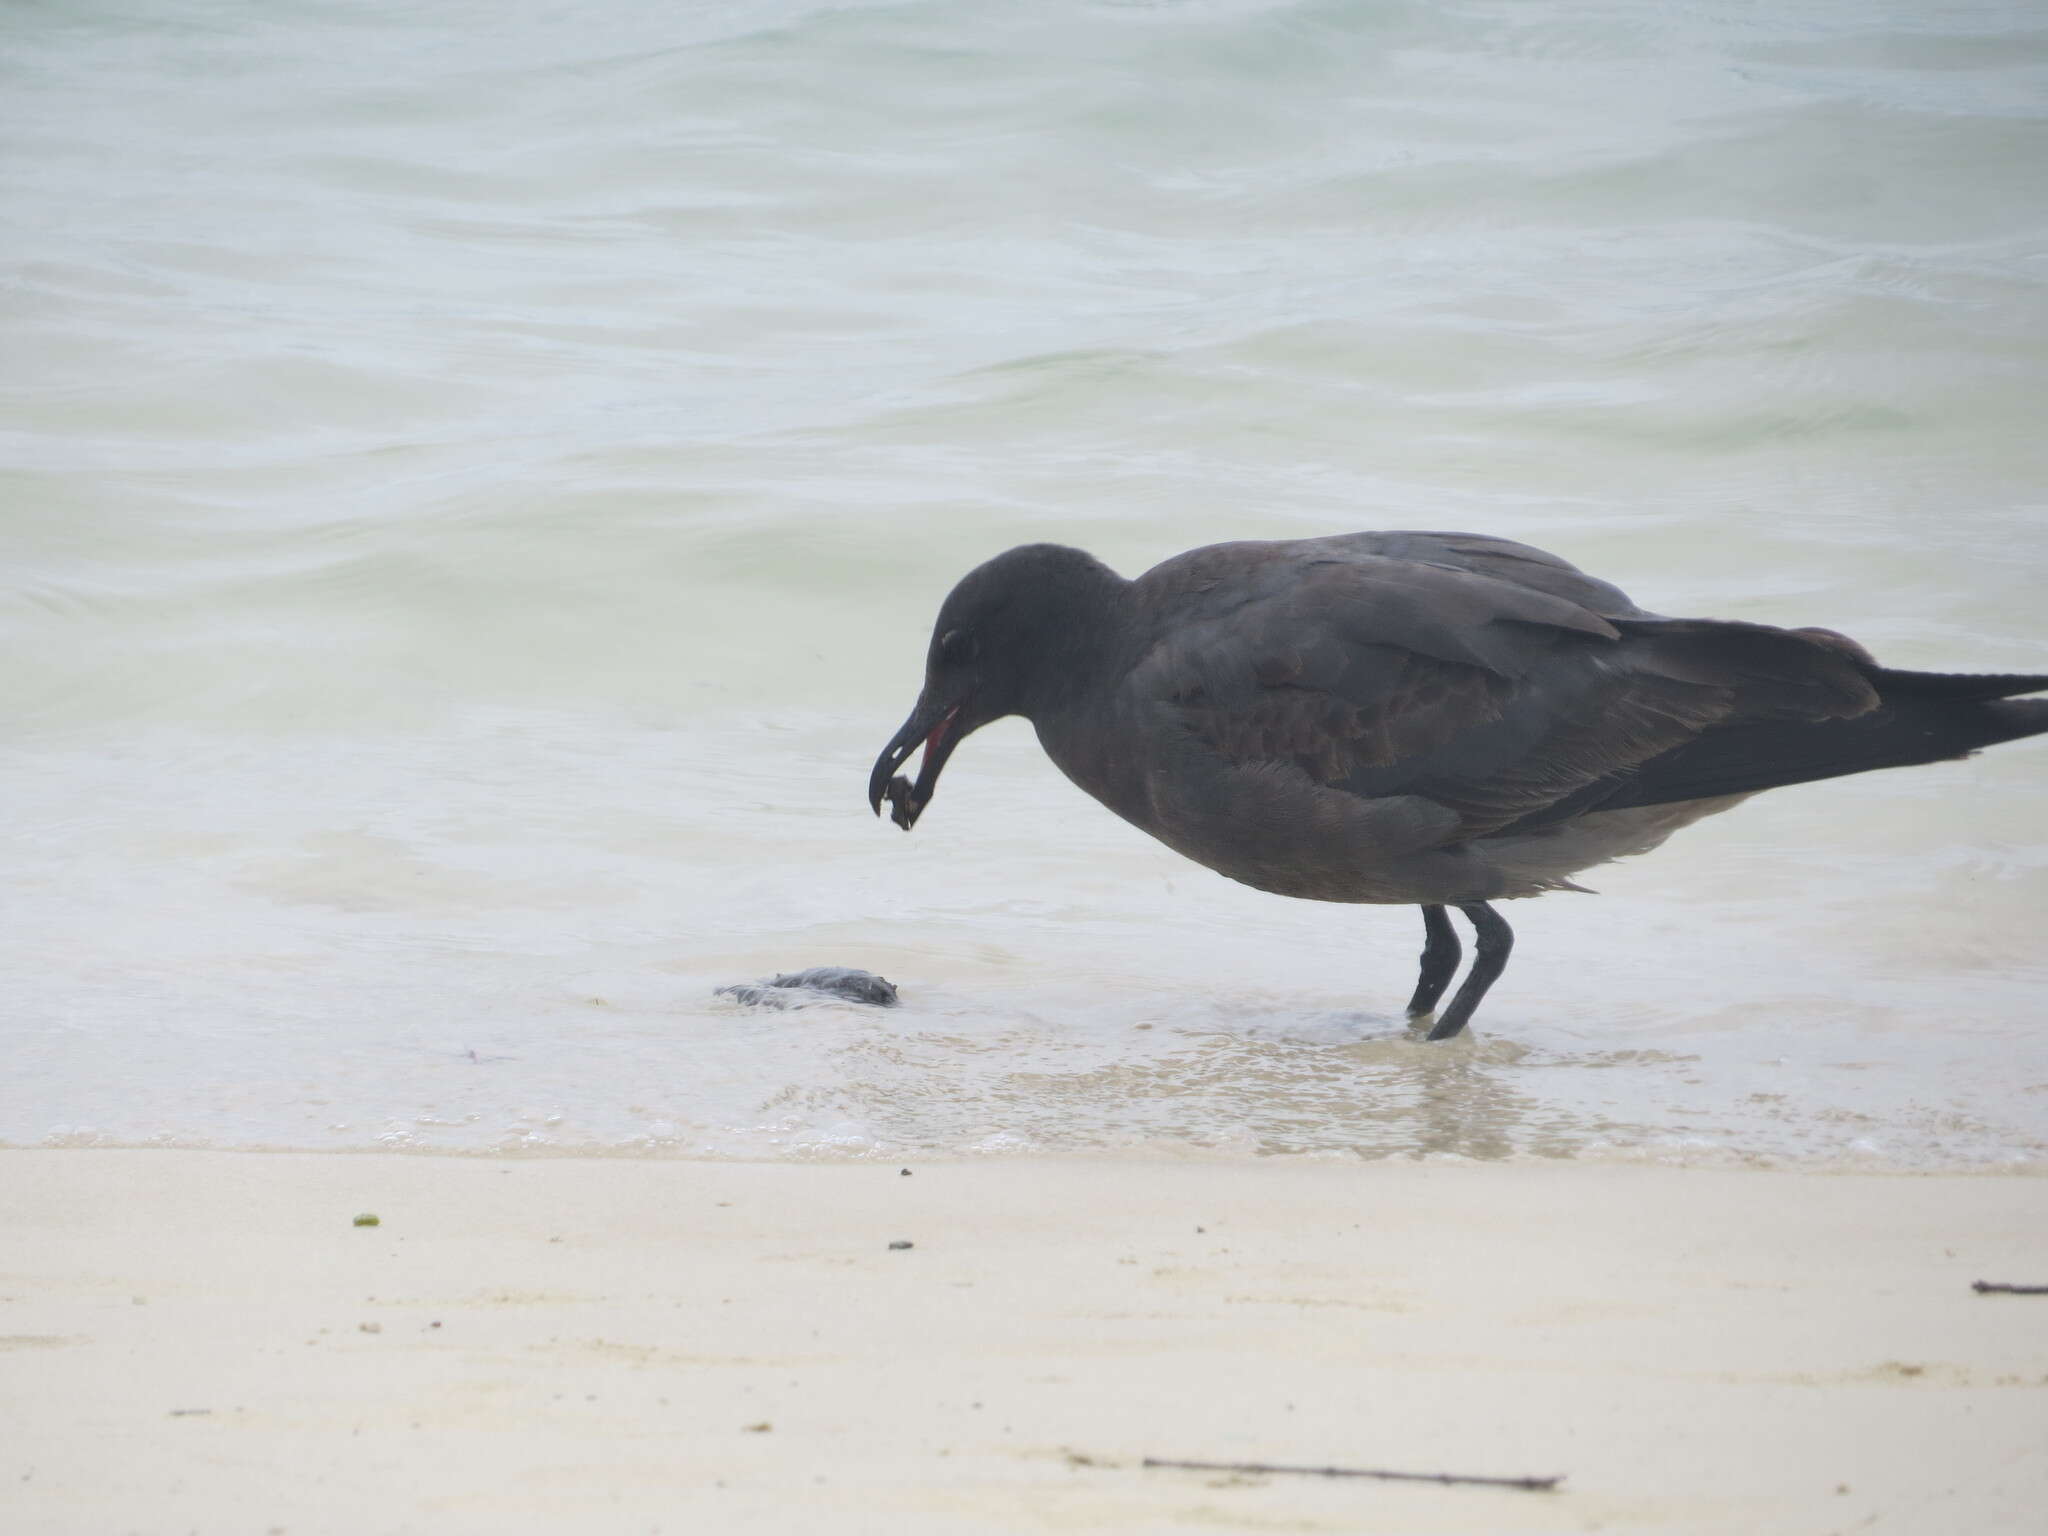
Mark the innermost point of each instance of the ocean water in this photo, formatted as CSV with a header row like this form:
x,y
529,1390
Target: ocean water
x,y
475,482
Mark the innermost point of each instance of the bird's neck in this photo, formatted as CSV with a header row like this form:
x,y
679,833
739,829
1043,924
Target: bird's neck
x,y
1081,639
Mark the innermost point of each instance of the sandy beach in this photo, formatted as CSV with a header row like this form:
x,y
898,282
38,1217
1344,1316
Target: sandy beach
x,y
206,1342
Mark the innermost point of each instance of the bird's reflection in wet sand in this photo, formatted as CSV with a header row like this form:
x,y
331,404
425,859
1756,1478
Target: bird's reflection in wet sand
x,y
1280,1083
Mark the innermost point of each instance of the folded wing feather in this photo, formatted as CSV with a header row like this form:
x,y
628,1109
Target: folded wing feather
x,y
1492,679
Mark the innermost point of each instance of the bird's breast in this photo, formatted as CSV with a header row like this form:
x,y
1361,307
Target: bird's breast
x,y
1269,825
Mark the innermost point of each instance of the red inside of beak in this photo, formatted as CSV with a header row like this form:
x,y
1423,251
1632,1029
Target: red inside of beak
x,y
946,720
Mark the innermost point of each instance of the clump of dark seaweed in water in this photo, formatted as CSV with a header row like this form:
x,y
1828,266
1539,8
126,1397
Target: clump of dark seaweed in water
x,y
820,984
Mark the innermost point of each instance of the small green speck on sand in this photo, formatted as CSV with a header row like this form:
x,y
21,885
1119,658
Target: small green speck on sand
x,y
367,1219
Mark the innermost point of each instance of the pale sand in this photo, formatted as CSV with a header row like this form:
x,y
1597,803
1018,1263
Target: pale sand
x,y
595,1346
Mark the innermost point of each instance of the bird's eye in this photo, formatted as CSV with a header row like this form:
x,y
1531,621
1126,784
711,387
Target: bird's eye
x,y
956,647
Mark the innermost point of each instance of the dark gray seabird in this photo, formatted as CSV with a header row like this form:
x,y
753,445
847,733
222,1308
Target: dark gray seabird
x,y
1438,718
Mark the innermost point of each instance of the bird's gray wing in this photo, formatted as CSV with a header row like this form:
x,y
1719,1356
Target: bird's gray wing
x,y
1481,554
1487,679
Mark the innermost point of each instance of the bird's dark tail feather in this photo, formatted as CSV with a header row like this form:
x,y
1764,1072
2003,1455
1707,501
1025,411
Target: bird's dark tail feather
x,y
1922,717
1955,685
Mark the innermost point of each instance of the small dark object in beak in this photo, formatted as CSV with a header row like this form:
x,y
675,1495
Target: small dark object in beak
x,y
903,804
907,800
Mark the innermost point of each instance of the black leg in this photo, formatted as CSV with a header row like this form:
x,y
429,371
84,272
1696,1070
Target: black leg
x,y
1489,959
1440,955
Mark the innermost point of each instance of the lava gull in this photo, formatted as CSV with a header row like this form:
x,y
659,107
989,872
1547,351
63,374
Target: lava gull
x,y
1443,719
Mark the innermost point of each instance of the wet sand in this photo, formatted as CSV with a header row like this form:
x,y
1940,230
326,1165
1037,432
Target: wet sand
x,y
201,1341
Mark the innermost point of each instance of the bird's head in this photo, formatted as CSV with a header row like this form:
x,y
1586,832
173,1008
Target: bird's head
x,y
1003,637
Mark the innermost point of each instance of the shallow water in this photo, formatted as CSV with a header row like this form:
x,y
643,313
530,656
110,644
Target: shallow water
x,y
476,481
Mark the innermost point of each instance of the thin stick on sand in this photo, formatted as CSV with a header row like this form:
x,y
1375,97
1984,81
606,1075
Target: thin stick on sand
x,y
1532,1484
2000,1288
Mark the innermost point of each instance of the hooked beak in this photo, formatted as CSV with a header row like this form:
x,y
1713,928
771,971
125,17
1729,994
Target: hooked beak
x,y
931,724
